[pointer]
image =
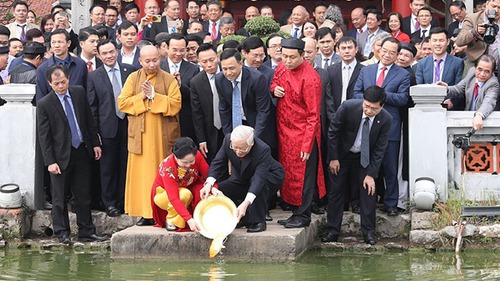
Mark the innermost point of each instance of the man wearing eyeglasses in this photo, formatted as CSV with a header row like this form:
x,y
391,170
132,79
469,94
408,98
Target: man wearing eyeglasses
x,y
254,174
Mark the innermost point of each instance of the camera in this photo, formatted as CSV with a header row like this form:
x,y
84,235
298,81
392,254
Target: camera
x,y
155,18
454,35
491,28
463,142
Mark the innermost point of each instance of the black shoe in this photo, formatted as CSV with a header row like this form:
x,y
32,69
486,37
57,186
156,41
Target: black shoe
x,y
315,209
92,238
356,209
283,222
296,223
64,239
392,211
268,216
113,212
370,239
257,227
145,222
330,237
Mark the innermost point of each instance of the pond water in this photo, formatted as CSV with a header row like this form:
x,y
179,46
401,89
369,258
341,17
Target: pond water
x,y
315,265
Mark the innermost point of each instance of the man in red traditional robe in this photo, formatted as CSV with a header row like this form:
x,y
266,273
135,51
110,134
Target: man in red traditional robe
x,y
298,87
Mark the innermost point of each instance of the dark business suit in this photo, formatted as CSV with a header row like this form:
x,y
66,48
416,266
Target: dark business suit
x,y
257,173
136,62
187,71
208,28
75,164
113,132
452,26
203,114
256,102
158,27
396,85
341,137
406,24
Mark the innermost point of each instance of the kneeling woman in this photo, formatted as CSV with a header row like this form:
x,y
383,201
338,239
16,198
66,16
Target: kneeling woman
x,y
176,189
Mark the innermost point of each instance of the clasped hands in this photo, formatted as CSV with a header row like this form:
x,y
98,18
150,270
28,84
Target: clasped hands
x,y
147,90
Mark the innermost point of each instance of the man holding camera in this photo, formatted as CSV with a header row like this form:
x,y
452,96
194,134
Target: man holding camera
x,y
473,32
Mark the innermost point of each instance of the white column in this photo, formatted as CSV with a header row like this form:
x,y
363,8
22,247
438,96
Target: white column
x,y
80,16
17,139
428,138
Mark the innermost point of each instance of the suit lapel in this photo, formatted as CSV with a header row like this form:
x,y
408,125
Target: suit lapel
x,y
354,75
124,72
75,108
244,86
389,76
445,69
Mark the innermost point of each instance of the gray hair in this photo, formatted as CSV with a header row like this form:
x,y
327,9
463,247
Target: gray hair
x,y
381,36
227,20
243,132
334,14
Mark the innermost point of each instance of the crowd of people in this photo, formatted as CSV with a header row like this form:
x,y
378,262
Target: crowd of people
x,y
158,114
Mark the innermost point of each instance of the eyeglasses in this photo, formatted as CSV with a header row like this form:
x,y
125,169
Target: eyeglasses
x,y
274,46
244,150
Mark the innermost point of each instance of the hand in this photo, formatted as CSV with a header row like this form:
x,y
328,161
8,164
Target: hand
x,y
304,156
144,21
216,191
458,49
97,152
477,122
205,190
147,89
369,185
481,29
448,103
203,149
279,92
334,166
441,83
7,80
177,76
242,209
193,225
54,169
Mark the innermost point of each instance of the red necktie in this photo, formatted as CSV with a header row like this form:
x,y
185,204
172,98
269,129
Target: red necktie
x,y
381,77
214,30
476,90
417,25
89,66
472,106
360,30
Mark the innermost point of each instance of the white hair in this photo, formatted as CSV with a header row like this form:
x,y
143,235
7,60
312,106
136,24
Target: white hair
x,y
243,132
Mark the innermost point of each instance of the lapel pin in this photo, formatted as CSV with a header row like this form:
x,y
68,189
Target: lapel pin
x,y
124,69
378,121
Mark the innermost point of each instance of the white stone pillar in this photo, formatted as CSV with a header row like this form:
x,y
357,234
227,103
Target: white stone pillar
x,y
17,139
80,16
428,138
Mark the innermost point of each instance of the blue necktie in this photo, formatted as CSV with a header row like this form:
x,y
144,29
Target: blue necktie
x,y
117,89
296,33
75,138
365,143
237,116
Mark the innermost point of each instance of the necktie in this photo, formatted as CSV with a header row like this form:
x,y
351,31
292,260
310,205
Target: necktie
x,y
326,64
175,68
381,77
75,138
437,70
474,97
23,32
423,33
237,116
417,25
215,103
296,33
214,30
117,89
360,30
345,81
274,66
89,66
365,143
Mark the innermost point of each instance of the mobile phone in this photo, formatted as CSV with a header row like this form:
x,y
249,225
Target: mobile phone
x,y
155,18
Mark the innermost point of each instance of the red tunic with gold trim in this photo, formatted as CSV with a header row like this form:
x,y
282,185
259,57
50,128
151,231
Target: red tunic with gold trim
x,y
171,177
297,117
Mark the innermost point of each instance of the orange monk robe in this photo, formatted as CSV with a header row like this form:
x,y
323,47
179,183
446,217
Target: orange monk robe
x,y
153,128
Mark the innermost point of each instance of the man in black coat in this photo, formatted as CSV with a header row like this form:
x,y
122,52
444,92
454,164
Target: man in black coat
x,y
205,103
184,71
358,136
254,174
69,142
103,88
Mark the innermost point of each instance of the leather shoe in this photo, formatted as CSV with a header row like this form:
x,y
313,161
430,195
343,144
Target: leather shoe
x,y
145,222
392,211
64,239
268,216
113,212
92,238
356,209
257,227
370,239
296,223
330,237
315,209
283,222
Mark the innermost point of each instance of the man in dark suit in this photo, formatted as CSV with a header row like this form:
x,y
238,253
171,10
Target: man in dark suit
x,y
357,139
184,71
89,38
410,23
212,25
205,103
103,87
396,83
127,36
247,87
69,142
424,17
254,174
170,23
358,19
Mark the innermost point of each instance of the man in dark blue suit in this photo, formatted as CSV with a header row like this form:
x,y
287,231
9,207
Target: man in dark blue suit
x,y
396,83
103,88
353,152
127,35
243,97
